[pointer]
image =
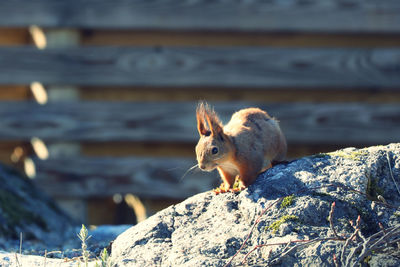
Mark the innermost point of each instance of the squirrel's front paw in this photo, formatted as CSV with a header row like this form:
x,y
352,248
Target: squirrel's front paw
x,y
221,189
237,189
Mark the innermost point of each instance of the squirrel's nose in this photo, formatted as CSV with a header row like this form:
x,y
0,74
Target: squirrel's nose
x,y
202,166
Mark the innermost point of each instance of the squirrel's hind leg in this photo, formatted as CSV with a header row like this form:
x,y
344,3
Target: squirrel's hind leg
x,y
266,165
248,175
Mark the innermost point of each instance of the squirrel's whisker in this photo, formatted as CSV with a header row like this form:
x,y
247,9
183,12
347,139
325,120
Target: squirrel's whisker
x,y
190,169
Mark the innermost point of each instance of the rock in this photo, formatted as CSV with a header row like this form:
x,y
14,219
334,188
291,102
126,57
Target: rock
x,y
24,209
209,229
100,238
46,230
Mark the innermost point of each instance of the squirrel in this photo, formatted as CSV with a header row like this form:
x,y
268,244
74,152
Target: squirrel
x,y
246,146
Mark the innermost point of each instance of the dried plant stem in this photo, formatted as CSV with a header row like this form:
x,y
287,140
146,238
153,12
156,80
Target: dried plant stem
x,y
20,243
384,239
283,254
331,219
365,242
286,251
342,254
375,242
252,228
335,261
17,261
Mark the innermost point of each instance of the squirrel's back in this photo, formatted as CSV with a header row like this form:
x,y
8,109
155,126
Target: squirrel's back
x,y
253,129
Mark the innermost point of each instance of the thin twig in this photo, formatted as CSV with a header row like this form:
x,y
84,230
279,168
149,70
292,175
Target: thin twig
x,y
331,219
20,243
265,210
315,240
20,250
251,230
300,243
382,228
16,260
342,259
376,244
335,261
388,235
303,243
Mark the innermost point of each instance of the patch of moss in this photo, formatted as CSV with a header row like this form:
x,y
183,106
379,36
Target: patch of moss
x,y
237,184
355,155
275,225
14,212
367,259
287,201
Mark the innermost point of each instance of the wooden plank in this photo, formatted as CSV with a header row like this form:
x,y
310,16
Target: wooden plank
x,y
14,36
303,123
129,149
189,66
7,149
243,94
14,92
144,149
83,177
208,38
258,15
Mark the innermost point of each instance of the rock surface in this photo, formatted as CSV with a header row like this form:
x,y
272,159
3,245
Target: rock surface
x,y
100,238
25,209
208,229
45,228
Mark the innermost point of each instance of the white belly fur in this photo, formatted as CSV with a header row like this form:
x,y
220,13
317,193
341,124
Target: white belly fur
x,y
229,168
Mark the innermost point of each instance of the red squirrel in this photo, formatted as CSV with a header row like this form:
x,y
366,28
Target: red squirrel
x,y
244,147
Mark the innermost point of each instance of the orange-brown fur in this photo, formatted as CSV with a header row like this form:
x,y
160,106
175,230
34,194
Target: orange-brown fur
x,y
245,146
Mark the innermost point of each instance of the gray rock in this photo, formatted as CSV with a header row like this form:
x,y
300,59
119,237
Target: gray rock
x,y
25,209
208,229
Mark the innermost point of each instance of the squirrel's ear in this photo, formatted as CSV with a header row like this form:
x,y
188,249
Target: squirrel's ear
x,y
200,124
214,124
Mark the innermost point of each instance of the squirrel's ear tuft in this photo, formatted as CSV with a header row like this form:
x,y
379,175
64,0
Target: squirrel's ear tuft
x,y
205,111
214,123
200,113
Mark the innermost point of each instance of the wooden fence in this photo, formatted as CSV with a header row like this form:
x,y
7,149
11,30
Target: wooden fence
x,y
117,85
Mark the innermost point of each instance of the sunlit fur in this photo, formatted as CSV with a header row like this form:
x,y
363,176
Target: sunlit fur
x,y
246,145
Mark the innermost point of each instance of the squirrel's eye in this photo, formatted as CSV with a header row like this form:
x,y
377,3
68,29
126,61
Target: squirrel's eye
x,y
214,150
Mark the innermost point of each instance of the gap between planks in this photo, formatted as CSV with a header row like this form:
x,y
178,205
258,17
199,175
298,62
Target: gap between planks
x,y
126,149
216,38
238,94
14,36
14,92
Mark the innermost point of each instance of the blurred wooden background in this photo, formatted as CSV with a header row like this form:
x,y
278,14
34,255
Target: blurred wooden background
x,y
97,98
